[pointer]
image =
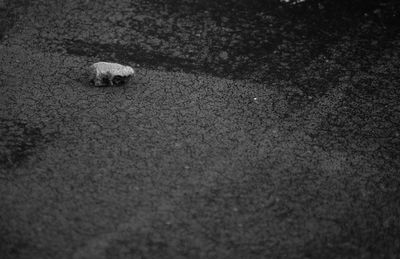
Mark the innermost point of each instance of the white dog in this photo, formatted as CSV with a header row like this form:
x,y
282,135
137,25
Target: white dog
x,y
104,74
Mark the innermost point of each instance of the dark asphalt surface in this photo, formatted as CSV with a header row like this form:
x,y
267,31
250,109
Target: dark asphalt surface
x,y
248,131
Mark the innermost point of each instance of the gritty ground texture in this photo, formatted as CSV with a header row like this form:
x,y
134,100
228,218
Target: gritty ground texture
x,y
250,130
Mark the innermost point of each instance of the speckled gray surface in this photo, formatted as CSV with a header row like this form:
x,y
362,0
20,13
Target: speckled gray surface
x,y
181,162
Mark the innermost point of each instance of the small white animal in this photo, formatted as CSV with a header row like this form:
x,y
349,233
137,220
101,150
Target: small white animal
x,y
105,73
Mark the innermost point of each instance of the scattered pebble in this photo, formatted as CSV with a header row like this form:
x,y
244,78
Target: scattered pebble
x,y
223,55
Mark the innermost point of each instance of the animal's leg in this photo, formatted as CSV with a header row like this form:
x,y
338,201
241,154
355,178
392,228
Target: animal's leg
x,y
110,78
